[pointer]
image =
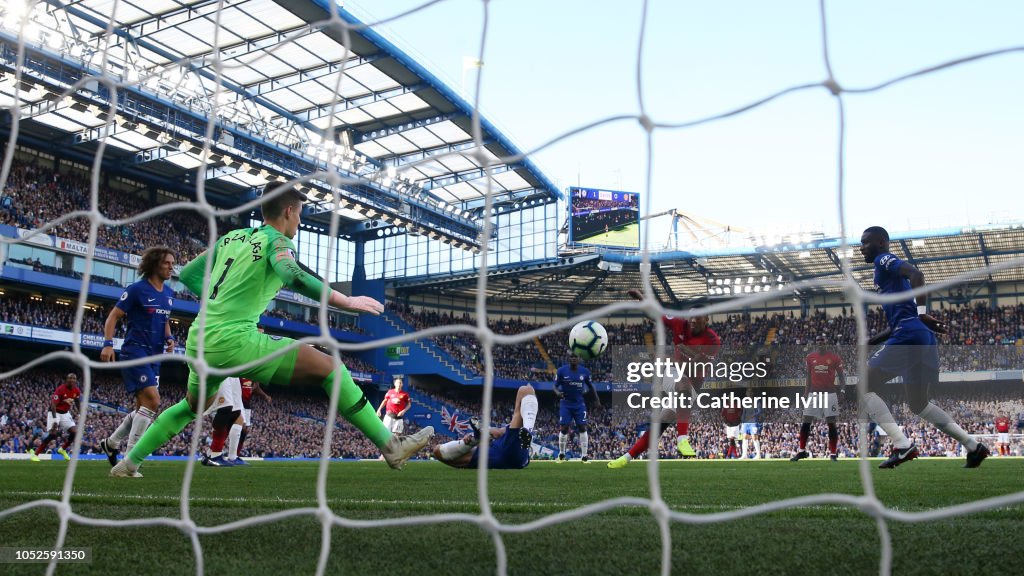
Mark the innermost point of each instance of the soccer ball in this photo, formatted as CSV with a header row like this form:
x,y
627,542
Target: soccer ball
x,y
588,339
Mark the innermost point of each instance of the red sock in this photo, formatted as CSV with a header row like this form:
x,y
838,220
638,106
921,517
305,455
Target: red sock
x,y
683,428
44,444
641,444
803,440
219,436
67,443
833,443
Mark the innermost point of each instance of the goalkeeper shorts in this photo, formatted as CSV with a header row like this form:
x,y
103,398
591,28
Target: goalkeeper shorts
x,y
248,347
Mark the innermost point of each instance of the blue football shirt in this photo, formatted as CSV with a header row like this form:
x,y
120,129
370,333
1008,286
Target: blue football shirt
x,y
147,310
572,383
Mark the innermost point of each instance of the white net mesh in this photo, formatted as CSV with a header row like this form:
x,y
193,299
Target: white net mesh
x,y
868,503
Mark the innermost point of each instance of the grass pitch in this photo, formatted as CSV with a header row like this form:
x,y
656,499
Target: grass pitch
x,y
811,540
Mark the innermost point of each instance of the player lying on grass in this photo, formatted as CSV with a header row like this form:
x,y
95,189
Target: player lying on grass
x,y
910,351
510,445
248,267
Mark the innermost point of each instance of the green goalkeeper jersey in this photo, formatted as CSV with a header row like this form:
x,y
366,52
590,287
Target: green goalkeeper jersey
x,y
250,265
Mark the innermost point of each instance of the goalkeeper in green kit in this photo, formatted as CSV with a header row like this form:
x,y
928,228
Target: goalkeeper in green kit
x,y
249,266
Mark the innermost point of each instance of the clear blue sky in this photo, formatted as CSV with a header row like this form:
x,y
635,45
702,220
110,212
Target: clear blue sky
x,y
946,149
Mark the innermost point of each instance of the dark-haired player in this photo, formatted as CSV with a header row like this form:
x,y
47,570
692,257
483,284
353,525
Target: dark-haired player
x,y
58,418
823,367
510,445
147,306
248,266
910,351
1003,430
692,341
571,383
732,417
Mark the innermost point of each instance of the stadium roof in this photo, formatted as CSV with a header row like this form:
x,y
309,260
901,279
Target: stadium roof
x,y
291,97
680,278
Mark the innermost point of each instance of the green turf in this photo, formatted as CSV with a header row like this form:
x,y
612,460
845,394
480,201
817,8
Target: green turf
x,y
812,540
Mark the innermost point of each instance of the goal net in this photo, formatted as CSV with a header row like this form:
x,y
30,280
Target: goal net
x,y
32,28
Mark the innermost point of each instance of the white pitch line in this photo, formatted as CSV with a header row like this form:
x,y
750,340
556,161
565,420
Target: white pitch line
x,y
313,502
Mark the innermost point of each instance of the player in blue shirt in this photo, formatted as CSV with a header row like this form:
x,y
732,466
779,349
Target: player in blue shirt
x,y
147,306
571,383
910,351
510,445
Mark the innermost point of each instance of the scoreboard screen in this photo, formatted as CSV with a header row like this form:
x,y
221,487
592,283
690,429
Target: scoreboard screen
x,y
604,218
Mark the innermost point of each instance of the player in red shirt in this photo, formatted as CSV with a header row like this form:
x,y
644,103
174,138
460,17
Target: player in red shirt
x,y
823,365
1003,428
248,389
397,403
693,341
58,417
732,416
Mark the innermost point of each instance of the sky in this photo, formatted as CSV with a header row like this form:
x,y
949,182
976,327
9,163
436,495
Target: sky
x,y
937,151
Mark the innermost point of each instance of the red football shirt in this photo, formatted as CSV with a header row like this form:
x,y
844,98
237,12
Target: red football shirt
x,y
247,389
64,396
823,369
395,401
707,343
732,416
1002,424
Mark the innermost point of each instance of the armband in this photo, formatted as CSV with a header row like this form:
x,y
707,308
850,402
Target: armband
x,y
108,343
922,309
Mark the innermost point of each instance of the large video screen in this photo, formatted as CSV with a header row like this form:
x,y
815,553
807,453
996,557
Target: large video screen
x,y
604,217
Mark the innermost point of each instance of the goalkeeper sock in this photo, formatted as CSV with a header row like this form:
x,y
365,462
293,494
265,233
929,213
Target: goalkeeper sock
x,y
353,406
528,409
944,422
123,429
757,448
744,453
584,444
142,419
168,425
451,451
233,435
563,439
876,409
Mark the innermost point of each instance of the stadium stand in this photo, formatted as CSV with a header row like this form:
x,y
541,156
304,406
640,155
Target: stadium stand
x,y
34,195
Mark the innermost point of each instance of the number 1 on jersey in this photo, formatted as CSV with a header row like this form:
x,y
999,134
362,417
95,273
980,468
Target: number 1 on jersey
x,y
223,275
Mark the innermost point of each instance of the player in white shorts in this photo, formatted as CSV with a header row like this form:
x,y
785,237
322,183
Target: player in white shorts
x,y
824,369
395,404
226,409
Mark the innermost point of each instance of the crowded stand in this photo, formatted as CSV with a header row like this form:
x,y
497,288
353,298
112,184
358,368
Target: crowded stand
x,y
34,195
980,338
291,425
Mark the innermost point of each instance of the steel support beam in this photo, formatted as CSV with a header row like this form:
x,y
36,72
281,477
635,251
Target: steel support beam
x,y
664,284
366,136
312,73
589,288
